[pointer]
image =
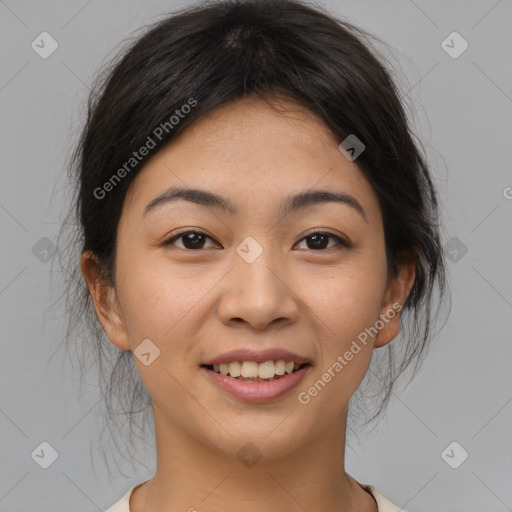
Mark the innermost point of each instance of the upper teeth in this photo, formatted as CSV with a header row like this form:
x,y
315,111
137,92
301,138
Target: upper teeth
x,y
251,369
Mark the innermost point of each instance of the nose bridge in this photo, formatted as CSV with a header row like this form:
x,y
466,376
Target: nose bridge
x,y
258,292
258,263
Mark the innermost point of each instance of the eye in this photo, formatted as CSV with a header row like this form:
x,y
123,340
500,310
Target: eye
x,y
192,240
319,239
195,240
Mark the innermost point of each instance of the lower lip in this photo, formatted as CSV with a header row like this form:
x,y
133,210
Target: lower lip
x,y
257,391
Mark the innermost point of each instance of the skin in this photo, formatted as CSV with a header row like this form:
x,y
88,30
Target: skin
x,y
196,304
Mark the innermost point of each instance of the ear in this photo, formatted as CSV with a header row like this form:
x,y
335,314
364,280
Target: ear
x,y
397,291
105,301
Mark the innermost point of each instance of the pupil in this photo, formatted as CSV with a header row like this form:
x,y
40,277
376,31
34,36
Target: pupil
x,y
189,239
317,237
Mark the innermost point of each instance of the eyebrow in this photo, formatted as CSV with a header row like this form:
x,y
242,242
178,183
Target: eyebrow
x,y
292,203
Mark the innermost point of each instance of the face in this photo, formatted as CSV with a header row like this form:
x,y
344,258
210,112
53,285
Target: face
x,y
198,281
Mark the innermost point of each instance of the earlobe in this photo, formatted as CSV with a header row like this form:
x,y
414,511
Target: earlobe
x,y
105,302
397,291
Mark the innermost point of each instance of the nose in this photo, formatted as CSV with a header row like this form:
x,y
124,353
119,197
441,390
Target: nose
x,y
259,293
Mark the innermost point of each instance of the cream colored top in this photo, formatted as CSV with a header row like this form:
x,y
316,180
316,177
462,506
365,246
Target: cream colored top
x,y
384,505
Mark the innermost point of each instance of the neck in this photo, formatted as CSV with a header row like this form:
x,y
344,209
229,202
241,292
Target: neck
x,y
193,476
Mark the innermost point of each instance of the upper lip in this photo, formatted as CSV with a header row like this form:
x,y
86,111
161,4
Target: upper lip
x,y
259,356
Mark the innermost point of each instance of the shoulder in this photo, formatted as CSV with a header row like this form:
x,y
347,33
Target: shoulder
x,y
383,503
123,504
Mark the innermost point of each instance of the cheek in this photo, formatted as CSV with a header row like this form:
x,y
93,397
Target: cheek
x,y
348,300
156,297
346,303
155,305
344,306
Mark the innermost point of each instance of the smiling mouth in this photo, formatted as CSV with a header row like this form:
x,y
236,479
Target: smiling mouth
x,y
250,371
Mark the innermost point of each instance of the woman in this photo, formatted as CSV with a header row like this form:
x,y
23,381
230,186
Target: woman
x,y
258,224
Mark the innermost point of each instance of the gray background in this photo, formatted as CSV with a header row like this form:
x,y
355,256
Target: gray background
x,y
464,391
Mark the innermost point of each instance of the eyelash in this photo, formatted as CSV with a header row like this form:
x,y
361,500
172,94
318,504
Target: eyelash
x,y
341,242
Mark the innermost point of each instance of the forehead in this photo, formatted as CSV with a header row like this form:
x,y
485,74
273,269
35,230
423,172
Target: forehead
x,y
256,154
